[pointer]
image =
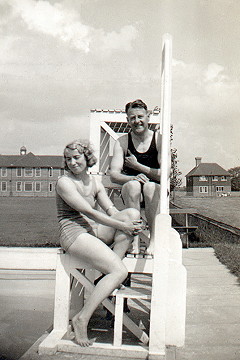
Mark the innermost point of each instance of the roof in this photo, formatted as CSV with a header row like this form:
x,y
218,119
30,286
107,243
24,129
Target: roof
x,y
208,169
31,160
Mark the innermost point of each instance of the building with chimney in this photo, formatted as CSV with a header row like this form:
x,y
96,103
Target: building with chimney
x,y
207,179
27,174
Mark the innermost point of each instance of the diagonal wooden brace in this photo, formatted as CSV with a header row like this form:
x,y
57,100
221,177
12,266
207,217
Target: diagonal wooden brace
x,y
130,325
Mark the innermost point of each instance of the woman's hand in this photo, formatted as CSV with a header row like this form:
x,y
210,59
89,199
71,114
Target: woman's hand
x,y
133,228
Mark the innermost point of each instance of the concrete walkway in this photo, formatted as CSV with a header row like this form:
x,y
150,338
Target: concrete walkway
x,y
213,309
213,316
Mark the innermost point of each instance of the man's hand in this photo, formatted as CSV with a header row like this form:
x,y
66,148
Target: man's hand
x,y
131,161
142,178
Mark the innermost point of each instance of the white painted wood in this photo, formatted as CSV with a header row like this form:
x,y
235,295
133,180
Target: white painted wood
x,y
49,345
118,321
62,294
103,349
26,258
107,128
139,265
175,246
94,138
130,325
159,285
166,86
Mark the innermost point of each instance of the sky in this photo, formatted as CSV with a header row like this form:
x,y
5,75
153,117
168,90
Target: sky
x,y
59,59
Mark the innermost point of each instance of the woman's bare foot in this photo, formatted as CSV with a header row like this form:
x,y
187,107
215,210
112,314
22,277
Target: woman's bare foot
x,y
80,331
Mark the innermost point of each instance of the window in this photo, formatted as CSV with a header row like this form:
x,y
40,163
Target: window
x,y
4,171
38,172
219,188
61,172
202,178
19,186
4,186
28,172
50,172
28,186
215,178
203,189
37,186
50,187
19,172
223,178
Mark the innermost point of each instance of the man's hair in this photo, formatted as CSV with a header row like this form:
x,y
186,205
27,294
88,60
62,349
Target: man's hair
x,y
135,104
83,147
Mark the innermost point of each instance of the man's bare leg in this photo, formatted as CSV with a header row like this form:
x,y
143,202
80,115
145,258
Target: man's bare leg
x,y
131,193
151,192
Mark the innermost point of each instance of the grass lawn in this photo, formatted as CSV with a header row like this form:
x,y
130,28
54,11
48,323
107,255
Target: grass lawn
x,y
224,209
28,221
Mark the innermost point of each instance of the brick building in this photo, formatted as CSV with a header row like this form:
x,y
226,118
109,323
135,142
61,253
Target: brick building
x,y
207,179
28,174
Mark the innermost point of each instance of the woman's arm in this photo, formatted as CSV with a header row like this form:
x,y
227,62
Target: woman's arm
x,y
104,201
68,192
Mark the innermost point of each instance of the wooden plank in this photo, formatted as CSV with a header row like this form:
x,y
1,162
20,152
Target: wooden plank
x,y
103,349
130,325
62,294
159,285
130,293
118,321
182,211
26,258
49,346
186,227
166,90
142,265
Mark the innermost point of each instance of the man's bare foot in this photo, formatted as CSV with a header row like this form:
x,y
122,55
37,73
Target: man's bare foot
x,y
135,246
80,331
150,249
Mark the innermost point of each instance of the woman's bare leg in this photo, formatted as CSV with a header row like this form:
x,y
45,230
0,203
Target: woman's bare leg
x,y
122,241
102,258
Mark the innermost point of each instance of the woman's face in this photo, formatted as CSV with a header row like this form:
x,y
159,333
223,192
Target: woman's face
x,y
75,161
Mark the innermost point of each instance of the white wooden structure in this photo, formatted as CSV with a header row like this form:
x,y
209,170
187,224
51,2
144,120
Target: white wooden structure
x,y
105,128
168,296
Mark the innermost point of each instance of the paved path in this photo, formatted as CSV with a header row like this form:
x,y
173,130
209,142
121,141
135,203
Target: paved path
x,y
213,316
213,309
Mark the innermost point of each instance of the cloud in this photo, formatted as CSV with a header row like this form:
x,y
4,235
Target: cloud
x,y
205,114
64,23
214,73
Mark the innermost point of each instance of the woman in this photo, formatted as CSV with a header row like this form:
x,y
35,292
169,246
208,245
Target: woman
x,y
87,233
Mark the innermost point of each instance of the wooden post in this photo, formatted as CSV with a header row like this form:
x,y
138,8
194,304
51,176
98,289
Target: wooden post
x,y
160,279
166,87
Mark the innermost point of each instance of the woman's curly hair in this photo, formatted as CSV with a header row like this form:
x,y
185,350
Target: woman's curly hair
x,y
83,147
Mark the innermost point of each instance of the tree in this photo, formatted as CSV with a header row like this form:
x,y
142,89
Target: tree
x,y
235,178
175,178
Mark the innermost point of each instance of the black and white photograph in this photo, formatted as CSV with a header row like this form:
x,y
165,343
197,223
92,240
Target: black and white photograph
x,y
119,179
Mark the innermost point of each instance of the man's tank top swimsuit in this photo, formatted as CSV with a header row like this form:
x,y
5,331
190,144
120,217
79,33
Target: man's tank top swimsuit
x,y
73,223
148,158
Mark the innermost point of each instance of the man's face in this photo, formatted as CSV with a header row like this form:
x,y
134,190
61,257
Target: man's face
x,y
138,119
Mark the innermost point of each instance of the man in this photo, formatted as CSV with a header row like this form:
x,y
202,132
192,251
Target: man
x,y
136,165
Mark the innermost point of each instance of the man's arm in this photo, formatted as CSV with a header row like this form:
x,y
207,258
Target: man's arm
x,y
117,163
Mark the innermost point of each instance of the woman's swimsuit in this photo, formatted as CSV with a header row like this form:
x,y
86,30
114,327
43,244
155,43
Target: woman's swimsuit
x,y
73,223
